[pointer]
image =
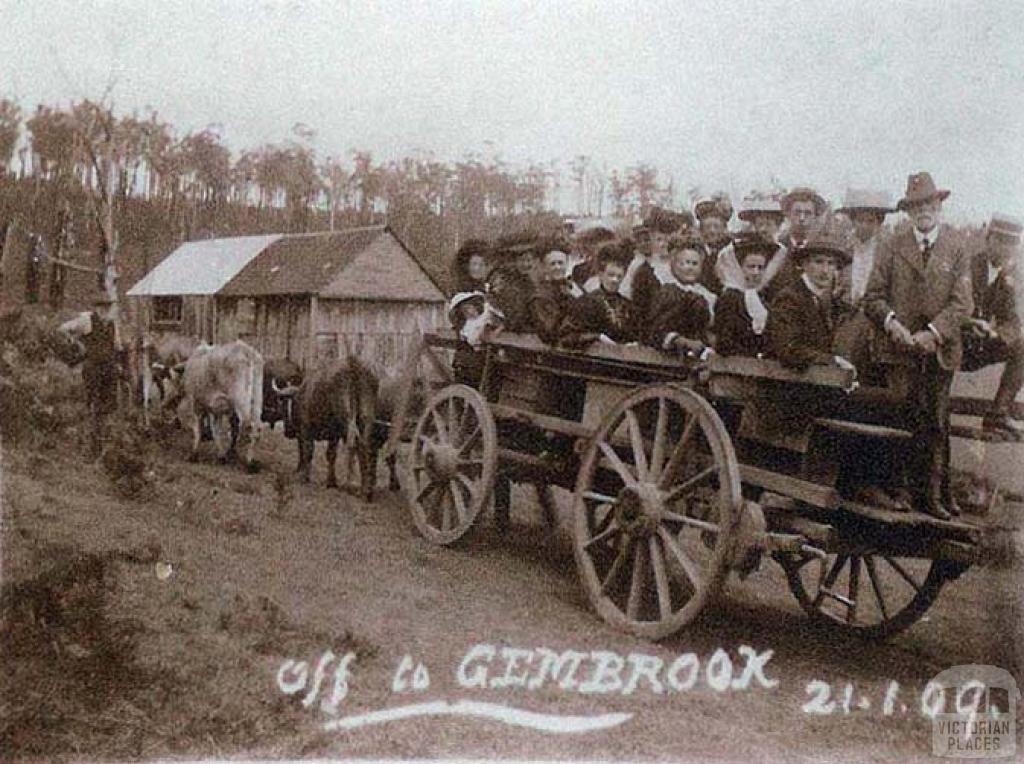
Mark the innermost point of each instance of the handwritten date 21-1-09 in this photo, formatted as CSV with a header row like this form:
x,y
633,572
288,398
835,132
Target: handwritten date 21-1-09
x,y
824,698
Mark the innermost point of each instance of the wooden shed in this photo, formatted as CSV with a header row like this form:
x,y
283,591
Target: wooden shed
x,y
299,296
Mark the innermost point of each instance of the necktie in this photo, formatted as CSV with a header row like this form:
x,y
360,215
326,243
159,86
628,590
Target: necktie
x,y
926,250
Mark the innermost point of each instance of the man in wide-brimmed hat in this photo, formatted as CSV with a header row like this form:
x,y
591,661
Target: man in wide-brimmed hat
x,y
992,334
919,294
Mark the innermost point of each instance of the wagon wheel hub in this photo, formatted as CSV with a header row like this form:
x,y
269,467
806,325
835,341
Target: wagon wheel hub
x,y
442,460
640,508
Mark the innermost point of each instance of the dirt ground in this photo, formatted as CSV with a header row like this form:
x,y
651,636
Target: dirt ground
x,y
160,625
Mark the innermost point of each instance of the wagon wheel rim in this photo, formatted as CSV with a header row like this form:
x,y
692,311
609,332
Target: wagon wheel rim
x,y
452,464
648,559
865,592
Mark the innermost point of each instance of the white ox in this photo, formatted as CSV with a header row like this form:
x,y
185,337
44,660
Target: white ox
x,y
224,381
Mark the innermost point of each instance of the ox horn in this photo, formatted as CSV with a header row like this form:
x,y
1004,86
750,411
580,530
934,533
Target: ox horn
x,y
285,392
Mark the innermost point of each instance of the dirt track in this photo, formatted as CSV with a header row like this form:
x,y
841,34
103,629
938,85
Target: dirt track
x,y
262,571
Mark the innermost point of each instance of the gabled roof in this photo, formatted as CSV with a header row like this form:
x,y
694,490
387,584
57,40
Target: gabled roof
x,y
300,263
384,270
201,267
369,263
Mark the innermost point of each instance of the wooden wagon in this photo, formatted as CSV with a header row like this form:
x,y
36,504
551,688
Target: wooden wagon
x,y
681,473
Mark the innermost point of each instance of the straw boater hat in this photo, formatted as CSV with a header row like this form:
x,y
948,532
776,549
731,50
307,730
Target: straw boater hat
x,y
921,188
803,194
857,199
826,240
1005,225
756,203
716,205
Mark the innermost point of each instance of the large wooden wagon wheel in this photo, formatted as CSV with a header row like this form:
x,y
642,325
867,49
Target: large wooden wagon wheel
x,y
657,508
452,461
865,592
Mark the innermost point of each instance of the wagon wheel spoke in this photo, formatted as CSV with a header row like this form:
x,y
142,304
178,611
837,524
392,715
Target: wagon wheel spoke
x,y
460,503
617,564
442,431
660,437
616,463
902,571
637,441
599,524
679,453
468,484
471,440
683,488
426,490
660,578
831,577
610,531
869,563
636,586
446,511
677,553
853,589
693,522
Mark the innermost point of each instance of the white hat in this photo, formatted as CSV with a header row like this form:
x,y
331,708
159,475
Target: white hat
x,y
458,299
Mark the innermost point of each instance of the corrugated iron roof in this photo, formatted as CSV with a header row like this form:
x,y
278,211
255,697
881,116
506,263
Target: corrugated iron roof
x,y
201,267
300,263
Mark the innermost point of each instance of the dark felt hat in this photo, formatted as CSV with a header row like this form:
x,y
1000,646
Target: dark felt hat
x,y
825,240
102,298
921,188
752,243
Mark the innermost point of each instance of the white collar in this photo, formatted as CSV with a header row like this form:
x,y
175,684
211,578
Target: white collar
x,y
929,237
819,293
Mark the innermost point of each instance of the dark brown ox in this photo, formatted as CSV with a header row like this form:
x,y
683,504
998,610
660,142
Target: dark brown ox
x,y
345,399
225,382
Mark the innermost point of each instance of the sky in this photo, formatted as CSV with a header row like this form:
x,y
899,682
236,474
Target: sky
x,y
714,94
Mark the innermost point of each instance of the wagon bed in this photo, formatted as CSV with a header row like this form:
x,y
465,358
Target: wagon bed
x,y
682,472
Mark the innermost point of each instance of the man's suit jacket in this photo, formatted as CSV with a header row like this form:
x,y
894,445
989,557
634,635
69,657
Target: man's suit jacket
x,y
938,293
801,327
995,302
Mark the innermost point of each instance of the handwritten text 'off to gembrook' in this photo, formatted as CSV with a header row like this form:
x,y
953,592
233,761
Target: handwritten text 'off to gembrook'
x,y
521,670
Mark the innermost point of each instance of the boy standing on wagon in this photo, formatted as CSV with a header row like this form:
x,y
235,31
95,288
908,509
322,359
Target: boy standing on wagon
x,y
801,321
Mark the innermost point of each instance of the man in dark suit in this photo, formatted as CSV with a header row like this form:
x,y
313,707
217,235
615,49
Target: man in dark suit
x,y
802,317
919,294
993,332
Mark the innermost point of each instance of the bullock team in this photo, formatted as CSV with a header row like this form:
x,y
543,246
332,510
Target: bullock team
x,y
229,390
683,285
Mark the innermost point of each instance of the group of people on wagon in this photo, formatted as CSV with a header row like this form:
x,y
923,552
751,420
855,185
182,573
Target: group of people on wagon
x,y
787,286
